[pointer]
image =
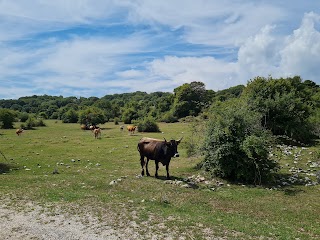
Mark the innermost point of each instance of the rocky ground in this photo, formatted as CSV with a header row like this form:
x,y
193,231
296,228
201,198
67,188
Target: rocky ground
x,y
35,222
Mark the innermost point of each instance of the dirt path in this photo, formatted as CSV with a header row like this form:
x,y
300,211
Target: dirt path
x,y
37,223
29,221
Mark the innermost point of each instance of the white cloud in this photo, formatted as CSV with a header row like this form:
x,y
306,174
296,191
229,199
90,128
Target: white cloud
x,y
164,45
22,19
206,21
301,55
259,55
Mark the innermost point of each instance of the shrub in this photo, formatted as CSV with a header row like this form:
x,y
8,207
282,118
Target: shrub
x,y
40,123
169,118
285,105
71,116
54,115
30,123
23,116
194,142
116,121
148,125
236,146
7,117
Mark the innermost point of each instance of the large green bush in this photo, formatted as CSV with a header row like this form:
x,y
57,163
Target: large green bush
x,y
7,117
236,145
285,104
92,115
71,116
148,125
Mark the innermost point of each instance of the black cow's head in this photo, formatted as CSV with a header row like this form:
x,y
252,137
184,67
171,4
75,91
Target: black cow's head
x,y
172,147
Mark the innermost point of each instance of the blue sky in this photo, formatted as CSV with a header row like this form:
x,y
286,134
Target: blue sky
x,y
99,47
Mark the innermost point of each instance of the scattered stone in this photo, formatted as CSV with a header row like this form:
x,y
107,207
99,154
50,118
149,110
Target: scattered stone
x,y
55,171
113,182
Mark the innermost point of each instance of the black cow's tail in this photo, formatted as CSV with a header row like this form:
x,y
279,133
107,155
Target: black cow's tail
x,y
138,148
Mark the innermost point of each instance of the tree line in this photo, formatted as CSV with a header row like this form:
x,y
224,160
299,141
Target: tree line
x,y
188,99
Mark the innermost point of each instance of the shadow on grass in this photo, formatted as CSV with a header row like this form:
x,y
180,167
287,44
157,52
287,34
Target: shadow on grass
x,y
191,184
288,141
5,168
292,191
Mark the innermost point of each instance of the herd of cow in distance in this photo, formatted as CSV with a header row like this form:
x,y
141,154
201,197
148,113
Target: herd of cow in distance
x,y
150,148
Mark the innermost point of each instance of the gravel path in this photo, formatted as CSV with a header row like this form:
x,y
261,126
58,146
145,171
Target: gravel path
x,y
29,221
35,223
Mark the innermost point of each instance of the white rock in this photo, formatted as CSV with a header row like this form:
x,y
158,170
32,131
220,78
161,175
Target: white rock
x,y
113,182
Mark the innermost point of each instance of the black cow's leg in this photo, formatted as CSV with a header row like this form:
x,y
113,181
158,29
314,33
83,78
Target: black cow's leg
x,y
157,168
148,174
167,168
142,162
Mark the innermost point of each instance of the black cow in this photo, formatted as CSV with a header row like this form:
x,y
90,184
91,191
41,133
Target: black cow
x,y
158,150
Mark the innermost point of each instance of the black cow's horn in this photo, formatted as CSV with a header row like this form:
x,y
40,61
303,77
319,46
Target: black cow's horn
x,y
179,139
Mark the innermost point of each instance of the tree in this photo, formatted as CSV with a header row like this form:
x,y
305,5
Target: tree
x,y
7,118
128,115
148,125
71,116
285,105
91,115
189,99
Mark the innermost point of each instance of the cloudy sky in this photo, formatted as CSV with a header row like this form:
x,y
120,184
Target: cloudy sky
x,y
99,47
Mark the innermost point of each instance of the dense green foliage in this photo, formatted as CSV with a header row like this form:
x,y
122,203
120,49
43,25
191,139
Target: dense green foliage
x,y
148,125
32,122
6,118
188,99
287,105
240,129
236,146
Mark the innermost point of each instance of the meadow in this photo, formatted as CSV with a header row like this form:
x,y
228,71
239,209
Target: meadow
x,y
101,177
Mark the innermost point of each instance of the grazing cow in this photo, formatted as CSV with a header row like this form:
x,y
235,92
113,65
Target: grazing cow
x,y
92,127
158,150
83,127
121,127
97,132
19,131
131,129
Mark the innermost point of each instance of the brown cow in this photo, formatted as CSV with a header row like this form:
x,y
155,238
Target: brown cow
x,y
19,131
158,150
97,132
131,129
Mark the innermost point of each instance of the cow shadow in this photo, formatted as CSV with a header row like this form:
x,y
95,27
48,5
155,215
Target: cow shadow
x,y
182,181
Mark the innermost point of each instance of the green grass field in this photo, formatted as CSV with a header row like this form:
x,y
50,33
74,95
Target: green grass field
x,y
87,166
